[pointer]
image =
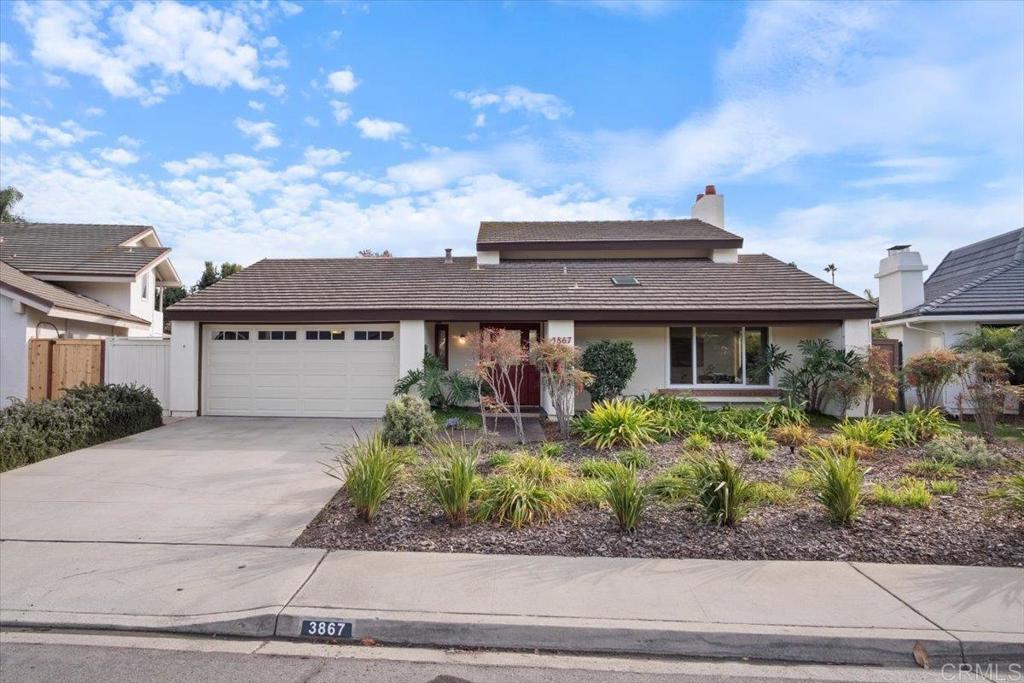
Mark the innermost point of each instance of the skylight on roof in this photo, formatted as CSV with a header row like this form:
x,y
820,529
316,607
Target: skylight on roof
x,y
625,281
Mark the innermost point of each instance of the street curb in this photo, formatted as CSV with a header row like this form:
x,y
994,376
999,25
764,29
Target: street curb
x,y
256,623
720,641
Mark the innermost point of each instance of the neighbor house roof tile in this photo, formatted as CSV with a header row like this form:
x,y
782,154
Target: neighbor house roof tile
x,y
51,295
517,233
78,249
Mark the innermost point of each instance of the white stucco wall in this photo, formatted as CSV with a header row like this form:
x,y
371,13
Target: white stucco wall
x,y
184,386
650,343
13,352
126,296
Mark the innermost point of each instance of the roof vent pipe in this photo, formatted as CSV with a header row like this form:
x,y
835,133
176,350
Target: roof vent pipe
x,y
448,256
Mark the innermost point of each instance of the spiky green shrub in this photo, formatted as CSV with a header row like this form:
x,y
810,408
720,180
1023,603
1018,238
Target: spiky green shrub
x,y
963,450
793,435
407,420
450,482
844,445
673,414
759,453
585,492
772,493
369,469
551,449
837,482
618,422
627,499
594,468
931,468
758,438
1013,492
780,415
634,459
538,468
518,501
873,432
918,426
908,493
499,458
943,487
720,489
668,487
797,478
697,443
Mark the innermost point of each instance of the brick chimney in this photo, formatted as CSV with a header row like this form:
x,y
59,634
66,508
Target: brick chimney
x,y
710,207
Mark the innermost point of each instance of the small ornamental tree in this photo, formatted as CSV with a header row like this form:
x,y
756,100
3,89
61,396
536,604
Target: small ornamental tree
x,y
881,377
985,378
611,365
929,372
500,368
563,378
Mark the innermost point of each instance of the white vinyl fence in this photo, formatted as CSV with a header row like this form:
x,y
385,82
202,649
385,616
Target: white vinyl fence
x,y
140,360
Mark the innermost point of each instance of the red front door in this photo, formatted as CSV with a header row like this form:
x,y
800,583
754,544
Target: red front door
x,y
529,390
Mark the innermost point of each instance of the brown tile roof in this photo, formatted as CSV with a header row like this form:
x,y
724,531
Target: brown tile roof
x,y
519,233
53,296
79,249
575,287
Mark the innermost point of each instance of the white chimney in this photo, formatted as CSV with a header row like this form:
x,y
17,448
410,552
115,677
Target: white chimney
x,y
900,281
710,207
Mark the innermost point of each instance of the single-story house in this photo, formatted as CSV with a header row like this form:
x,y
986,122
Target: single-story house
x,y
76,282
330,336
979,285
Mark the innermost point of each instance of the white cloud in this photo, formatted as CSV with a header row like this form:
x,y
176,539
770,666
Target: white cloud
x,y
261,131
118,155
203,162
256,105
290,8
379,129
30,128
343,81
325,156
644,8
516,97
342,112
93,112
480,121
55,81
123,47
909,171
7,54
311,121
128,141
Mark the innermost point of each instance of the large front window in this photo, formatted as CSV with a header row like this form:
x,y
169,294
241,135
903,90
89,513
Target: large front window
x,y
718,355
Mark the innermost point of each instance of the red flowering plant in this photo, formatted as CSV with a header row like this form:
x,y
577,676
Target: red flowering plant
x,y
929,372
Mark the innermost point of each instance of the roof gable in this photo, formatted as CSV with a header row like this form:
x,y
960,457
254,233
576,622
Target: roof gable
x,y
962,266
76,249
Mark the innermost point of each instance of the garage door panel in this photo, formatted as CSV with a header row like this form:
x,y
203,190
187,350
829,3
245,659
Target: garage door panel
x,y
315,378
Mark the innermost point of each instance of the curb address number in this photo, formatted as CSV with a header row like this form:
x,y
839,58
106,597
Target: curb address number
x,y
326,629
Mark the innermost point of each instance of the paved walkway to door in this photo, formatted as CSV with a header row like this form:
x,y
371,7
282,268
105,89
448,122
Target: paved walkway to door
x,y
223,480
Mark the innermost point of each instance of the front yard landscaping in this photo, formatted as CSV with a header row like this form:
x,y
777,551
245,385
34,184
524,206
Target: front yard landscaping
x,y
663,477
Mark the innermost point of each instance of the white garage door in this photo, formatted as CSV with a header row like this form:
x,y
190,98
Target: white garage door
x,y
302,370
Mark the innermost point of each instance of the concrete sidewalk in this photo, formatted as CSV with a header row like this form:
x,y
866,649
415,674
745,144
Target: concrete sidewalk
x,y
795,611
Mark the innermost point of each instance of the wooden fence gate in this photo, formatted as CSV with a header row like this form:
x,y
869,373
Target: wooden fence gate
x,y
893,349
56,365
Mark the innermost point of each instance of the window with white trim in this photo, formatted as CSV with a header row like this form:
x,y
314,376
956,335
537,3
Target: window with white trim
x,y
276,335
718,354
230,335
325,335
373,335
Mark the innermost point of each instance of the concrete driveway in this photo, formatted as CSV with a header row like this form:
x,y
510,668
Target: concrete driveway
x,y
239,481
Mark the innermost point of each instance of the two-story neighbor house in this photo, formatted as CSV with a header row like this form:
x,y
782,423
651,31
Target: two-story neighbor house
x,y
329,336
76,281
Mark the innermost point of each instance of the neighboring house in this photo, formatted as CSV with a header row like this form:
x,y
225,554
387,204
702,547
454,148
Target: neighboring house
x,y
981,284
76,282
329,337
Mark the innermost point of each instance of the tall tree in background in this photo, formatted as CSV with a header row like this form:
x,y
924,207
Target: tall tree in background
x,y
212,274
831,269
9,197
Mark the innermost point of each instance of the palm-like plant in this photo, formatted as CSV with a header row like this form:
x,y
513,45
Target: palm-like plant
x,y
831,269
439,387
9,196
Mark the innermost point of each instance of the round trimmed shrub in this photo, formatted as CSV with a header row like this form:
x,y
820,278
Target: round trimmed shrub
x,y
407,420
612,364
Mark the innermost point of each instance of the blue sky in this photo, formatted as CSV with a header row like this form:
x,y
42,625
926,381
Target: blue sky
x,y
254,129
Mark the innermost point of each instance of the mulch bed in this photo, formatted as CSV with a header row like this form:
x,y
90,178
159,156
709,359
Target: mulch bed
x,y
963,529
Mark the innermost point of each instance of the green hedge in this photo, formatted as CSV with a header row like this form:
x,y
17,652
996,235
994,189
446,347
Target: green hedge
x,y
85,416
